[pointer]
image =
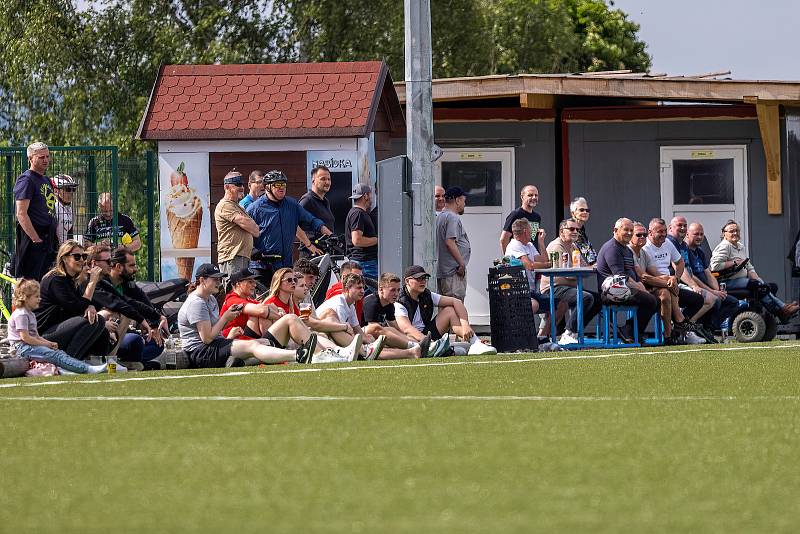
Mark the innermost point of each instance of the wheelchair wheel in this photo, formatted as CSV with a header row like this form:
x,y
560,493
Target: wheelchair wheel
x,y
772,327
749,327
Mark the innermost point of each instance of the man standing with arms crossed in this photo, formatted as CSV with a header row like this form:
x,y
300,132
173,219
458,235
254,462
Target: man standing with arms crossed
x,y
235,229
35,205
453,244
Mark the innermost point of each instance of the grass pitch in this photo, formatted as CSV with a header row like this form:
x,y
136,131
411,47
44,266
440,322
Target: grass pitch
x,y
649,440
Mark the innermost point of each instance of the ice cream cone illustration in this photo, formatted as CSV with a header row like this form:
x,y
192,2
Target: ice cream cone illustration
x,y
184,217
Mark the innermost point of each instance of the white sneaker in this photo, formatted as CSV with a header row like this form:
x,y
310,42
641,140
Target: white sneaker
x,y
694,339
567,338
479,348
331,356
352,350
374,349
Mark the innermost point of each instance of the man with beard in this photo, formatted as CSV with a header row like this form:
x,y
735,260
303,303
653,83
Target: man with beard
x,y
314,200
235,229
117,293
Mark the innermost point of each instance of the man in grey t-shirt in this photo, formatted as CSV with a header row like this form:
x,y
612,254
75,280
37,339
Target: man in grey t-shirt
x,y
453,243
194,310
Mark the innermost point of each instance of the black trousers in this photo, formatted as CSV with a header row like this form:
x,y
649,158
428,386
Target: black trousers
x,y
690,302
78,338
32,260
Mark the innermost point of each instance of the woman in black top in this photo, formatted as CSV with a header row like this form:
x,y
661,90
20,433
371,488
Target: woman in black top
x,y
65,314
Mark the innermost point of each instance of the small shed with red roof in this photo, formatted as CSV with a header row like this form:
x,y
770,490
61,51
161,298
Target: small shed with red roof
x,y
290,117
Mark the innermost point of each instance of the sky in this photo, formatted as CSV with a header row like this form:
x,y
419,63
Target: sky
x,y
754,39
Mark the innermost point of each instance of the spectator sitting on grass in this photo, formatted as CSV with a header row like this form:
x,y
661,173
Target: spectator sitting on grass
x,y
267,321
336,289
66,314
414,313
379,319
25,338
200,324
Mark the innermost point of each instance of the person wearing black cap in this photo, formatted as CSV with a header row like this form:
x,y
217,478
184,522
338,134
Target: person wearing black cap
x,y
200,324
453,245
414,313
360,234
235,228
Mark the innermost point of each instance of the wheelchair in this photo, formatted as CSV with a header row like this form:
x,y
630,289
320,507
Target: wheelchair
x,y
754,322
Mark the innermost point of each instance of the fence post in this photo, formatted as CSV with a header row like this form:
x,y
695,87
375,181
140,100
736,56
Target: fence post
x,y
115,196
151,223
10,211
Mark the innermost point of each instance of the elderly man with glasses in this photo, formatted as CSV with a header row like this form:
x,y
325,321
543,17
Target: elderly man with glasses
x,y
235,229
565,289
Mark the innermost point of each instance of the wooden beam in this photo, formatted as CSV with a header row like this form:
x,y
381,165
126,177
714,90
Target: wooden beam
x,y
534,101
770,127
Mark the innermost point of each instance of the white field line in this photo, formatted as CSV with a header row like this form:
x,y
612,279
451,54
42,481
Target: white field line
x,y
444,363
513,398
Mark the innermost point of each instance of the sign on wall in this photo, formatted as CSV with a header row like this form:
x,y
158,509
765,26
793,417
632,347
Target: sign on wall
x,y
184,212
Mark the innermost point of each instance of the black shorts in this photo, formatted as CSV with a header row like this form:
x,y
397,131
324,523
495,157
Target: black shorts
x,y
215,354
273,341
432,330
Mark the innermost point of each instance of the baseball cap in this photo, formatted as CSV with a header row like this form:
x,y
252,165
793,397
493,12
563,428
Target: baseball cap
x,y
454,192
207,270
244,274
64,181
233,178
415,271
360,190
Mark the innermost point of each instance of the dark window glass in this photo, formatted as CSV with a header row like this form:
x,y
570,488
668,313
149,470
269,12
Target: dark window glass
x,y
705,181
481,180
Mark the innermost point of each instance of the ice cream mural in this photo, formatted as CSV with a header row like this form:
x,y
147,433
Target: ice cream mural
x,y
186,236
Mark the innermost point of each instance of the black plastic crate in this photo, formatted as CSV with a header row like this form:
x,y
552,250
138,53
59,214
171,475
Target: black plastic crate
x,y
512,323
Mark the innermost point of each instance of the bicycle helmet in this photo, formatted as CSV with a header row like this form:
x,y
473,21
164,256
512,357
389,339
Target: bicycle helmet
x,y
64,181
274,176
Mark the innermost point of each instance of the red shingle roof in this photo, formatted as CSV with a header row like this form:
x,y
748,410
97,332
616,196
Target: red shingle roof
x,y
294,100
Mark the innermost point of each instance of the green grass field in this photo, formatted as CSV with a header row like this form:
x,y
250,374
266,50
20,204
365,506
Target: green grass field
x,y
692,440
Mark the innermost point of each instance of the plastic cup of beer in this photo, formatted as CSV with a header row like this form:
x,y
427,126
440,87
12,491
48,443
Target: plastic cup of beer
x,y
305,310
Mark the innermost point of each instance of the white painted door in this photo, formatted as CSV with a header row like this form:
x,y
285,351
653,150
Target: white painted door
x,y
705,184
487,175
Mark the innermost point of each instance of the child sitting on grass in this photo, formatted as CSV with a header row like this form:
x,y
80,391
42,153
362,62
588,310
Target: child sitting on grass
x,y
25,338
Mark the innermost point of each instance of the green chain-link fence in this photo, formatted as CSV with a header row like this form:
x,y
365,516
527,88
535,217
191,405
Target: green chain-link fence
x,y
97,169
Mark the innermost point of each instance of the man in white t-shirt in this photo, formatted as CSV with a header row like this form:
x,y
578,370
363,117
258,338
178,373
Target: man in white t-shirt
x,y
662,255
415,308
522,248
342,308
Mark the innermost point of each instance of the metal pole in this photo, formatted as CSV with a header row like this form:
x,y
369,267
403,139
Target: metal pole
x,y
115,196
419,131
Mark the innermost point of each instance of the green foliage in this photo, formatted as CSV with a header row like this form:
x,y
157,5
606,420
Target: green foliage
x,y
70,76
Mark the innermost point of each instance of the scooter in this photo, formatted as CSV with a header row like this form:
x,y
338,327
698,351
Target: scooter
x,y
332,247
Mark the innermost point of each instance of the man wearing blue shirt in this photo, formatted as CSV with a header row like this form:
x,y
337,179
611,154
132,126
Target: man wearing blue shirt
x,y
279,219
255,184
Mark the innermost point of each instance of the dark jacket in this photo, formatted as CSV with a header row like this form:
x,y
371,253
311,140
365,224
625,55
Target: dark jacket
x,y
131,303
425,305
278,222
61,300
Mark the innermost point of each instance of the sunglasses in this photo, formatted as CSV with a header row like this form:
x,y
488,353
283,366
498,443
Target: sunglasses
x,y
279,185
584,210
290,280
571,228
640,235
79,257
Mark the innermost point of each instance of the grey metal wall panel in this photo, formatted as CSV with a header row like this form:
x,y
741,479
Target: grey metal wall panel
x,y
534,155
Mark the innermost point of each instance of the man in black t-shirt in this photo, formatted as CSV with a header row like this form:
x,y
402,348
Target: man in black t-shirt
x,y
360,234
378,318
100,229
529,197
35,210
314,200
